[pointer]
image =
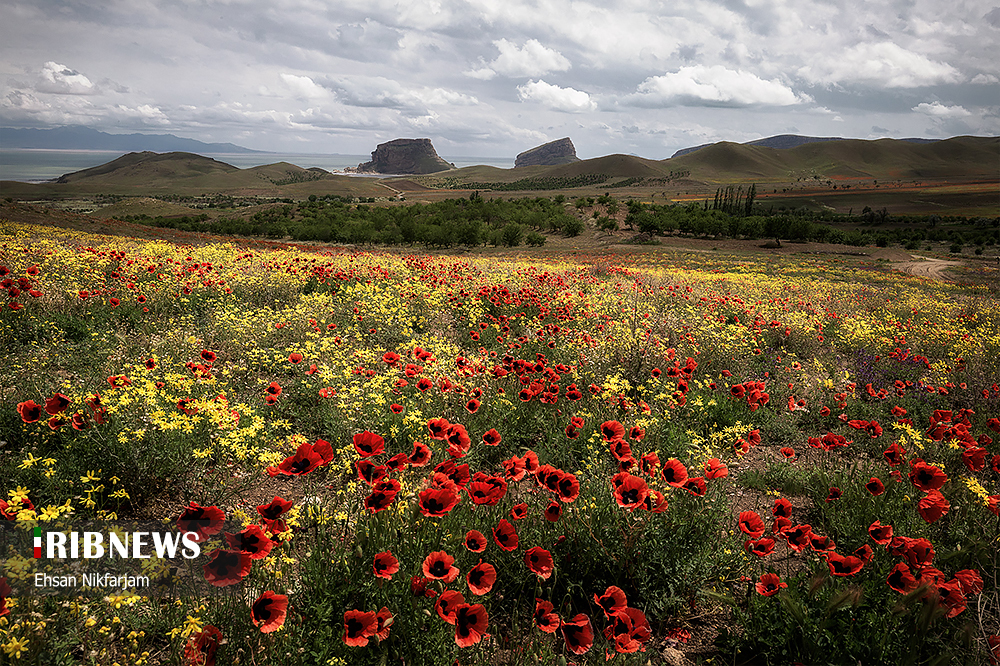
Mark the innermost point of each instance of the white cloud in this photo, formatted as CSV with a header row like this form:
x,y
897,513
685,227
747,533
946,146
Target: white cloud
x,y
985,80
61,80
533,59
879,64
939,110
700,85
554,97
483,73
305,87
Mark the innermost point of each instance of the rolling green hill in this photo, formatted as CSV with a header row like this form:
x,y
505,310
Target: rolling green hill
x,y
958,158
149,173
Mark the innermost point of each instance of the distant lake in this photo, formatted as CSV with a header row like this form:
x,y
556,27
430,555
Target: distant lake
x,y
35,166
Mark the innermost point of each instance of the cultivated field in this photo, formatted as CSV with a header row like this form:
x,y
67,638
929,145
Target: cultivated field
x,y
659,457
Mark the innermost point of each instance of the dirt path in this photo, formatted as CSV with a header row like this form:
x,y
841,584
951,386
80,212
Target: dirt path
x,y
924,267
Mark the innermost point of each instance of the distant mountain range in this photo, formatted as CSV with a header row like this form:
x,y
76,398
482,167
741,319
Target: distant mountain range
x,y
783,141
76,137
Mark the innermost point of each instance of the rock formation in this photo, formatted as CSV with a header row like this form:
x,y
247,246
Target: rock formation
x,y
409,156
560,151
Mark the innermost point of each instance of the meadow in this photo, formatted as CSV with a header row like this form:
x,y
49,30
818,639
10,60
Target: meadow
x,y
533,458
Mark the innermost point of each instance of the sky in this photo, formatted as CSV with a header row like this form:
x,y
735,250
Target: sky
x,y
497,77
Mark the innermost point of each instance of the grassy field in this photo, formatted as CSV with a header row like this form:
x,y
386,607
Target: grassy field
x,y
711,456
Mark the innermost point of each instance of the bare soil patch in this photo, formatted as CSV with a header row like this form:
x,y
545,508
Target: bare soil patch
x,y
926,267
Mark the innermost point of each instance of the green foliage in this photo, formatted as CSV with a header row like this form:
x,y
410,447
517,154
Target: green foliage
x,y
535,239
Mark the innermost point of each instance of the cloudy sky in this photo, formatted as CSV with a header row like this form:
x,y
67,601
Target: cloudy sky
x,y
495,77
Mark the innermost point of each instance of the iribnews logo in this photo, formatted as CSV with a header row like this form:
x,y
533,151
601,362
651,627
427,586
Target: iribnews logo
x,y
128,545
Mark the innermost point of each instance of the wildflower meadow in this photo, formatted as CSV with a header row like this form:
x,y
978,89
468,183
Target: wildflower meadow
x,y
643,458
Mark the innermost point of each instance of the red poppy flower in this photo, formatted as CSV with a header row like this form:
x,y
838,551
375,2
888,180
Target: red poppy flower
x,y
418,586
56,404
612,601
201,647
514,468
843,565
798,537
359,627
880,534
208,356
458,440
471,623
649,463
894,454
788,453
530,459
567,486
553,511
295,358
274,509
769,585
368,444
926,477
447,604
751,523
385,565
519,511
472,406
545,619
655,502
674,473
438,428
974,457
970,581
398,462
491,437
439,565
481,578
539,561
620,449
475,541
384,621
396,408
487,491
79,421
437,502
203,521
782,508
875,486
696,486
273,389
900,579
29,411
369,472
933,506
268,612
421,454
630,491
306,458
505,535
611,430
227,567
834,494
760,547
459,474
578,634
251,541
715,469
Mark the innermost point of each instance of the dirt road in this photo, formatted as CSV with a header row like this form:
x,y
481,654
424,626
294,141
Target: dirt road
x,y
924,267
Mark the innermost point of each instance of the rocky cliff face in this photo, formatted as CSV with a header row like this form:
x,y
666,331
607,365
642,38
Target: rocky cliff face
x,y
554,152
410,156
